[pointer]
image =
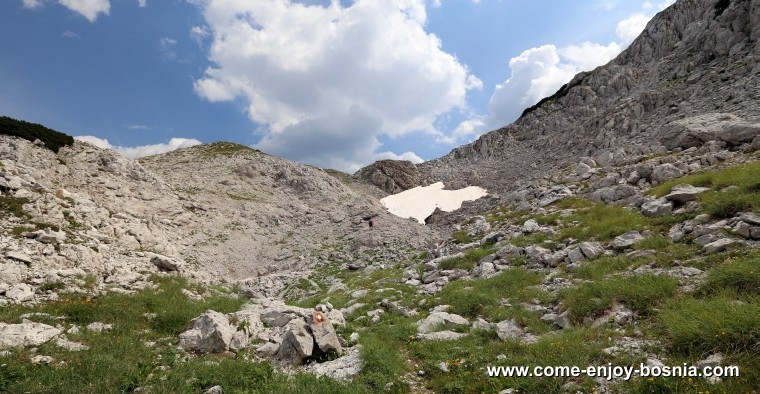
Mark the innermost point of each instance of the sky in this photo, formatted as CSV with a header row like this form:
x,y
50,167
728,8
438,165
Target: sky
x,y
334,83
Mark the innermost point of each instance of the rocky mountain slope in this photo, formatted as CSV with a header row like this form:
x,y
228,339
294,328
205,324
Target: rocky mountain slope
x,y
693,75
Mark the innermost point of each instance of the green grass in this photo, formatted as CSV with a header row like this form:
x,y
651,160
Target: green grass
x,y
719,324
738,274
462,237
225,149
719,202
596,270
14,206
640,293
468,261
481,297
602,222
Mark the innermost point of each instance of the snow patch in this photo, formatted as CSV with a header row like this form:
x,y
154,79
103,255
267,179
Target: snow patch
x,y
421,201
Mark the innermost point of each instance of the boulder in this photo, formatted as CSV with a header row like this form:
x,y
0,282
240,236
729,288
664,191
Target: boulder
x,y
342,368
576,255
582,169
530,226
664,172
208,333
440,320
26,334
19,256
509,330
297,343
441,336
657,207
166,263
719,245
324,333
21,292
625,241
591,250
685,193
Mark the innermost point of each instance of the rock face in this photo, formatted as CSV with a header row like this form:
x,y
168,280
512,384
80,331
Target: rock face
x,y
708,55
392,176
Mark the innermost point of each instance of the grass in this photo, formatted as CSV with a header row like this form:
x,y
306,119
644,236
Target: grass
x,y
225,149
738,274
596,270
640,293
462,237
14,206
481,297
721,202
602,222
468,261
717,324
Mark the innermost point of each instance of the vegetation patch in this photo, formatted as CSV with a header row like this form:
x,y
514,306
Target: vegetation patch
x,y
738,274
602,222
468,261
640,293
52,139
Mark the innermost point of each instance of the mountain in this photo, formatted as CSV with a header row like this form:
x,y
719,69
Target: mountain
x,y
621,233
697,59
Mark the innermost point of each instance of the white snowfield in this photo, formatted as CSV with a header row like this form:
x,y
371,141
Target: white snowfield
x,y
421,201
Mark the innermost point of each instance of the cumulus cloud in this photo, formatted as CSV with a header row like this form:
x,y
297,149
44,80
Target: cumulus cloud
x,y
32,4
140,151
90,9
325,81
539,72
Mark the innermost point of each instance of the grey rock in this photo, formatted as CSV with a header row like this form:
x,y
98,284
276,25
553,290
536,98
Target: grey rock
x,y
665,172
19,256
576,255
750,218
530,226
267,349
582,169
440,320
441,336
324,333
208,333
297,343
684,193
625,241
214,390
99,327
719,245
343,368
26,334
591,250
657,207
509,330
21,292
166,263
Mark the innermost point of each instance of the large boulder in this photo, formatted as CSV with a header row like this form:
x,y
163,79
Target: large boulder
x,y
665,172
208,333
439,321
297,343
685,193
657,207
324,333
696,130
626,240
26,334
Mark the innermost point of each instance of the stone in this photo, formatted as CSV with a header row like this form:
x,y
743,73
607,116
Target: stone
x,y
582,169
657,207
214,390
239,341
21,292
165,263
625,241
297,343
267,349
48,236
719,245
684,193
482,324
664,172
440,320
64,343
26,334
18,256
576,255
99,327
441,336
208,333
324,333
530,226
39,359
750,218
343,368
591,250
712,360
509,330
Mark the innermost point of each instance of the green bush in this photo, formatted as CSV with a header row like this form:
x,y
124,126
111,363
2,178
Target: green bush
x,y
52,139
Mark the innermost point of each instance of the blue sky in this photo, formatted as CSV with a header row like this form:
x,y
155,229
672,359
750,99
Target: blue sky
x,y
336,84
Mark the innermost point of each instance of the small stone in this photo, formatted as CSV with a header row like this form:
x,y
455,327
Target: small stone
x,y
719,245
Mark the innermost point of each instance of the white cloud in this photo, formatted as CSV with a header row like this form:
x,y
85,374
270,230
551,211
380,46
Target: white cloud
x,y
138,127
199,33
70,34
539,72
140,151
32,4
630,28
88,8
166,45
324,82
142,3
